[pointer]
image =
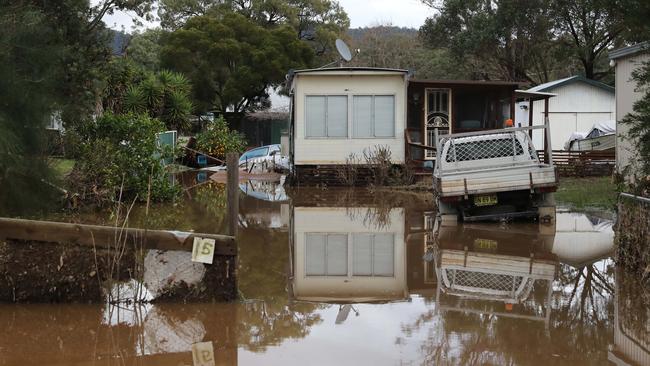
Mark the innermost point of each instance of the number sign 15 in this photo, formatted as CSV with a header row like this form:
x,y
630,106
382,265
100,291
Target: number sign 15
x,y
203,250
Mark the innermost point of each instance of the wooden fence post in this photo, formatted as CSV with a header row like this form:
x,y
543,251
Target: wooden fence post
x,y
232,163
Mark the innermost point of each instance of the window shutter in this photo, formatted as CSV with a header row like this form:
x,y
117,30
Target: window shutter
x,y
337,116
315,116
337,255
362,255
315,254
384,116
362,118
384,255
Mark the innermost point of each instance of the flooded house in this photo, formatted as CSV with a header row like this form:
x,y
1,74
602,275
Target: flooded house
x,y
340,114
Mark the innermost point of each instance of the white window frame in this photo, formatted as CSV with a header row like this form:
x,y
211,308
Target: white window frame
x,y
372,114
347,117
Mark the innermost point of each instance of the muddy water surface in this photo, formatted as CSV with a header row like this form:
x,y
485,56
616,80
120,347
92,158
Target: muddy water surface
x,y
332,277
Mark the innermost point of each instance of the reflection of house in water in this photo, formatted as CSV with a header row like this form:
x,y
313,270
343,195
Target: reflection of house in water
x,y
359,254
582,239
348,254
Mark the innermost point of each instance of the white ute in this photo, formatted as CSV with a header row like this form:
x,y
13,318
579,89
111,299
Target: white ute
x,y
493,175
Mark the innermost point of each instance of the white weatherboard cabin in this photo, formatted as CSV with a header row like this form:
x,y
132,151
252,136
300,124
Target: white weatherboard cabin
x,y
578,105
340,111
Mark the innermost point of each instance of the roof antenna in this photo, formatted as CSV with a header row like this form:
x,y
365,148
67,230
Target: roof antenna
x,y
344,53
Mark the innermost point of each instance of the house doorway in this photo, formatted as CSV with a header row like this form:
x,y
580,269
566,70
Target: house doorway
x,y
437,117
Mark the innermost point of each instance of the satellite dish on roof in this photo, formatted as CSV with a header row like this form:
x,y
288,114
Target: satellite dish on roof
x,y
344,50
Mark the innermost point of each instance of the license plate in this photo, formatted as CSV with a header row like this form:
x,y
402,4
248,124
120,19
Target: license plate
x,y
485,200
485,245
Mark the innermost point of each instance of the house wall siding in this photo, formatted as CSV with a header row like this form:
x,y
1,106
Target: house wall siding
x,y
315,151
625,98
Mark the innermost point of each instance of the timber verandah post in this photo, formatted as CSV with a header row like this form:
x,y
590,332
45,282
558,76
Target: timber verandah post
x,y
232,165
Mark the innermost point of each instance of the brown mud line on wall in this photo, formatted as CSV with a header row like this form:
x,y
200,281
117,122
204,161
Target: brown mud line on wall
x,y
41,272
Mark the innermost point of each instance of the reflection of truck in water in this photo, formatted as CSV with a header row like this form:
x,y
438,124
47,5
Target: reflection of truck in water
x,y
492,175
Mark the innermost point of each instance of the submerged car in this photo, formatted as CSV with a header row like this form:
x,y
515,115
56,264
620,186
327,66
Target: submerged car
x,y
267,157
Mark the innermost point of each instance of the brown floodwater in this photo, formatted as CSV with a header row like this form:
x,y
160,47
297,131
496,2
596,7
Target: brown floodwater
x,y
352,277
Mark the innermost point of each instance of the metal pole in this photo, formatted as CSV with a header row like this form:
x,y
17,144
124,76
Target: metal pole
x,y
530,117
232,160
548,159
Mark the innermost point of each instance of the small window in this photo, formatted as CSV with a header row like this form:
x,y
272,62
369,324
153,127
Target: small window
x,y
374,115
326,254
326,116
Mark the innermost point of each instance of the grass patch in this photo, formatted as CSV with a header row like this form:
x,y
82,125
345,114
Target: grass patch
x,y
62,167
580,193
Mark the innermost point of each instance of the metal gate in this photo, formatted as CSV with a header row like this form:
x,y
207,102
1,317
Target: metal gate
x,y
437,117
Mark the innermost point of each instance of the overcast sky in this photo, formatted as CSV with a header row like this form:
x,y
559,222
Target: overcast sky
x,y
362,13
401,13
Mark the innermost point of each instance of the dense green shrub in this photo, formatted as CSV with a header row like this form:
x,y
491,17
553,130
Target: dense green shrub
x,y
217,140
120,152
164,95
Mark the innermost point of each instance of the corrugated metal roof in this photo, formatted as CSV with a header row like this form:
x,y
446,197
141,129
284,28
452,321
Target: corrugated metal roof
x,y
630,50
546,87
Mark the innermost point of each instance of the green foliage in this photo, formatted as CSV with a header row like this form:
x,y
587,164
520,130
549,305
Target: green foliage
x,y
510,40
135,100
164,95
639,122
231,60
144,49
62,167
30,72
120,152
535,41
217,140
316,22
394,47
587,29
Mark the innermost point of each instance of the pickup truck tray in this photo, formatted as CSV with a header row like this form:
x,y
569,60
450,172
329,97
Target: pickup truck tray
x,y
494,180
